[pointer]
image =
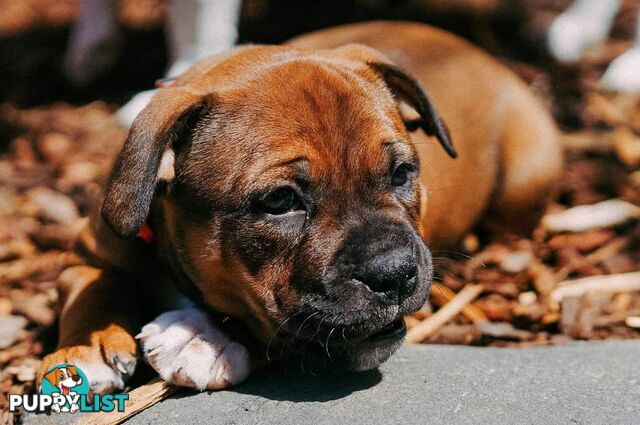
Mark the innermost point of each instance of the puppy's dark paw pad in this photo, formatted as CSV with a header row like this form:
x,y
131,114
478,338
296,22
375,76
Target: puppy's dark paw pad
x,y
186,349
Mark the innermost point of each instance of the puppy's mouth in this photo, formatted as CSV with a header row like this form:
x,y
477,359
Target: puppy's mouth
x,y
346,346
346,335
392,332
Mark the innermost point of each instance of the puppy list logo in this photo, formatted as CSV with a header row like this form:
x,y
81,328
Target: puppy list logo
x,y
65,388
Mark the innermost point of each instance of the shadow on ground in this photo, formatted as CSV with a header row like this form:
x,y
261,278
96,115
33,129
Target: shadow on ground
x,y
305,387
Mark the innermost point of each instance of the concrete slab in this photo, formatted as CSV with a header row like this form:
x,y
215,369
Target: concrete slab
x,y
579,383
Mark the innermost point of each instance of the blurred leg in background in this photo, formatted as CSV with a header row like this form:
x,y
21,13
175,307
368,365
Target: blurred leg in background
x,y
200,28
587,23
195,29
93,45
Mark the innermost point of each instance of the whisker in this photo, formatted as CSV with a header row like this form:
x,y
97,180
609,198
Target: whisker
x,y
446,251
319,326
278,330
442,263
440,189
326,346
305,321
310,342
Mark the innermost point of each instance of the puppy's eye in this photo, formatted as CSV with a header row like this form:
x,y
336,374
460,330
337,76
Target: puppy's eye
x,y
280,201
402,174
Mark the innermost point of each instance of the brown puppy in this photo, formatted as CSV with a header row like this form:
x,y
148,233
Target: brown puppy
x,y
285,191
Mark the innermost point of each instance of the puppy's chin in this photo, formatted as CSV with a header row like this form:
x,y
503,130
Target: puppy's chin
x,y
361,354
366,356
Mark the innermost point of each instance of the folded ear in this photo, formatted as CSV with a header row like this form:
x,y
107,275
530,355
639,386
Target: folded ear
x,y
163,123
409,90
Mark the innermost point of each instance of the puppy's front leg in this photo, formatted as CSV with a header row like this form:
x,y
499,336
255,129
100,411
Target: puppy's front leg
x,y
100,315
186,348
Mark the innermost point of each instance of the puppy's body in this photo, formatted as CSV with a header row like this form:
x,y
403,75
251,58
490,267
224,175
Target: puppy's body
x,y
294,203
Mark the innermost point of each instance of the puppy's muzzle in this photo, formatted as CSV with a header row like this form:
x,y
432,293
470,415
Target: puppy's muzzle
x,y
391,275
386,258
353,316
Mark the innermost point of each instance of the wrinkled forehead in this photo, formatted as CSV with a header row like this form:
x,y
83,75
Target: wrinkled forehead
x,y
327,114
304,117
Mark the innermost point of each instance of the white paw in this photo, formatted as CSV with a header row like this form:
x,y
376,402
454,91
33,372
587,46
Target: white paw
x,y
186,349
623,74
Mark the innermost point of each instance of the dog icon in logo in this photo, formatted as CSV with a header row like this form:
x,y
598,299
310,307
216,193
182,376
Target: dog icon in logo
x,y
66,381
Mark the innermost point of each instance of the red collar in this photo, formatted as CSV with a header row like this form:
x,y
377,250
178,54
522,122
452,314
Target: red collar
x,y
146,233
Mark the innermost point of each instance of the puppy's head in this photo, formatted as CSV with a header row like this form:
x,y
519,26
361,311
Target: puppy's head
x,y
295,200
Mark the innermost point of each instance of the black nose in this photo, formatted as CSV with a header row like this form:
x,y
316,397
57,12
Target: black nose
x,y
390,273
76,378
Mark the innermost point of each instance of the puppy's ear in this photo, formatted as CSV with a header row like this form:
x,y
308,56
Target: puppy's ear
x,y
53,377
409,90
72,370
161,125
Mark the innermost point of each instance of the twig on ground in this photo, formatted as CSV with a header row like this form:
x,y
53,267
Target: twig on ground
x,y
605,214
429,326
633,322
51,262
442,295
609,250
623,282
